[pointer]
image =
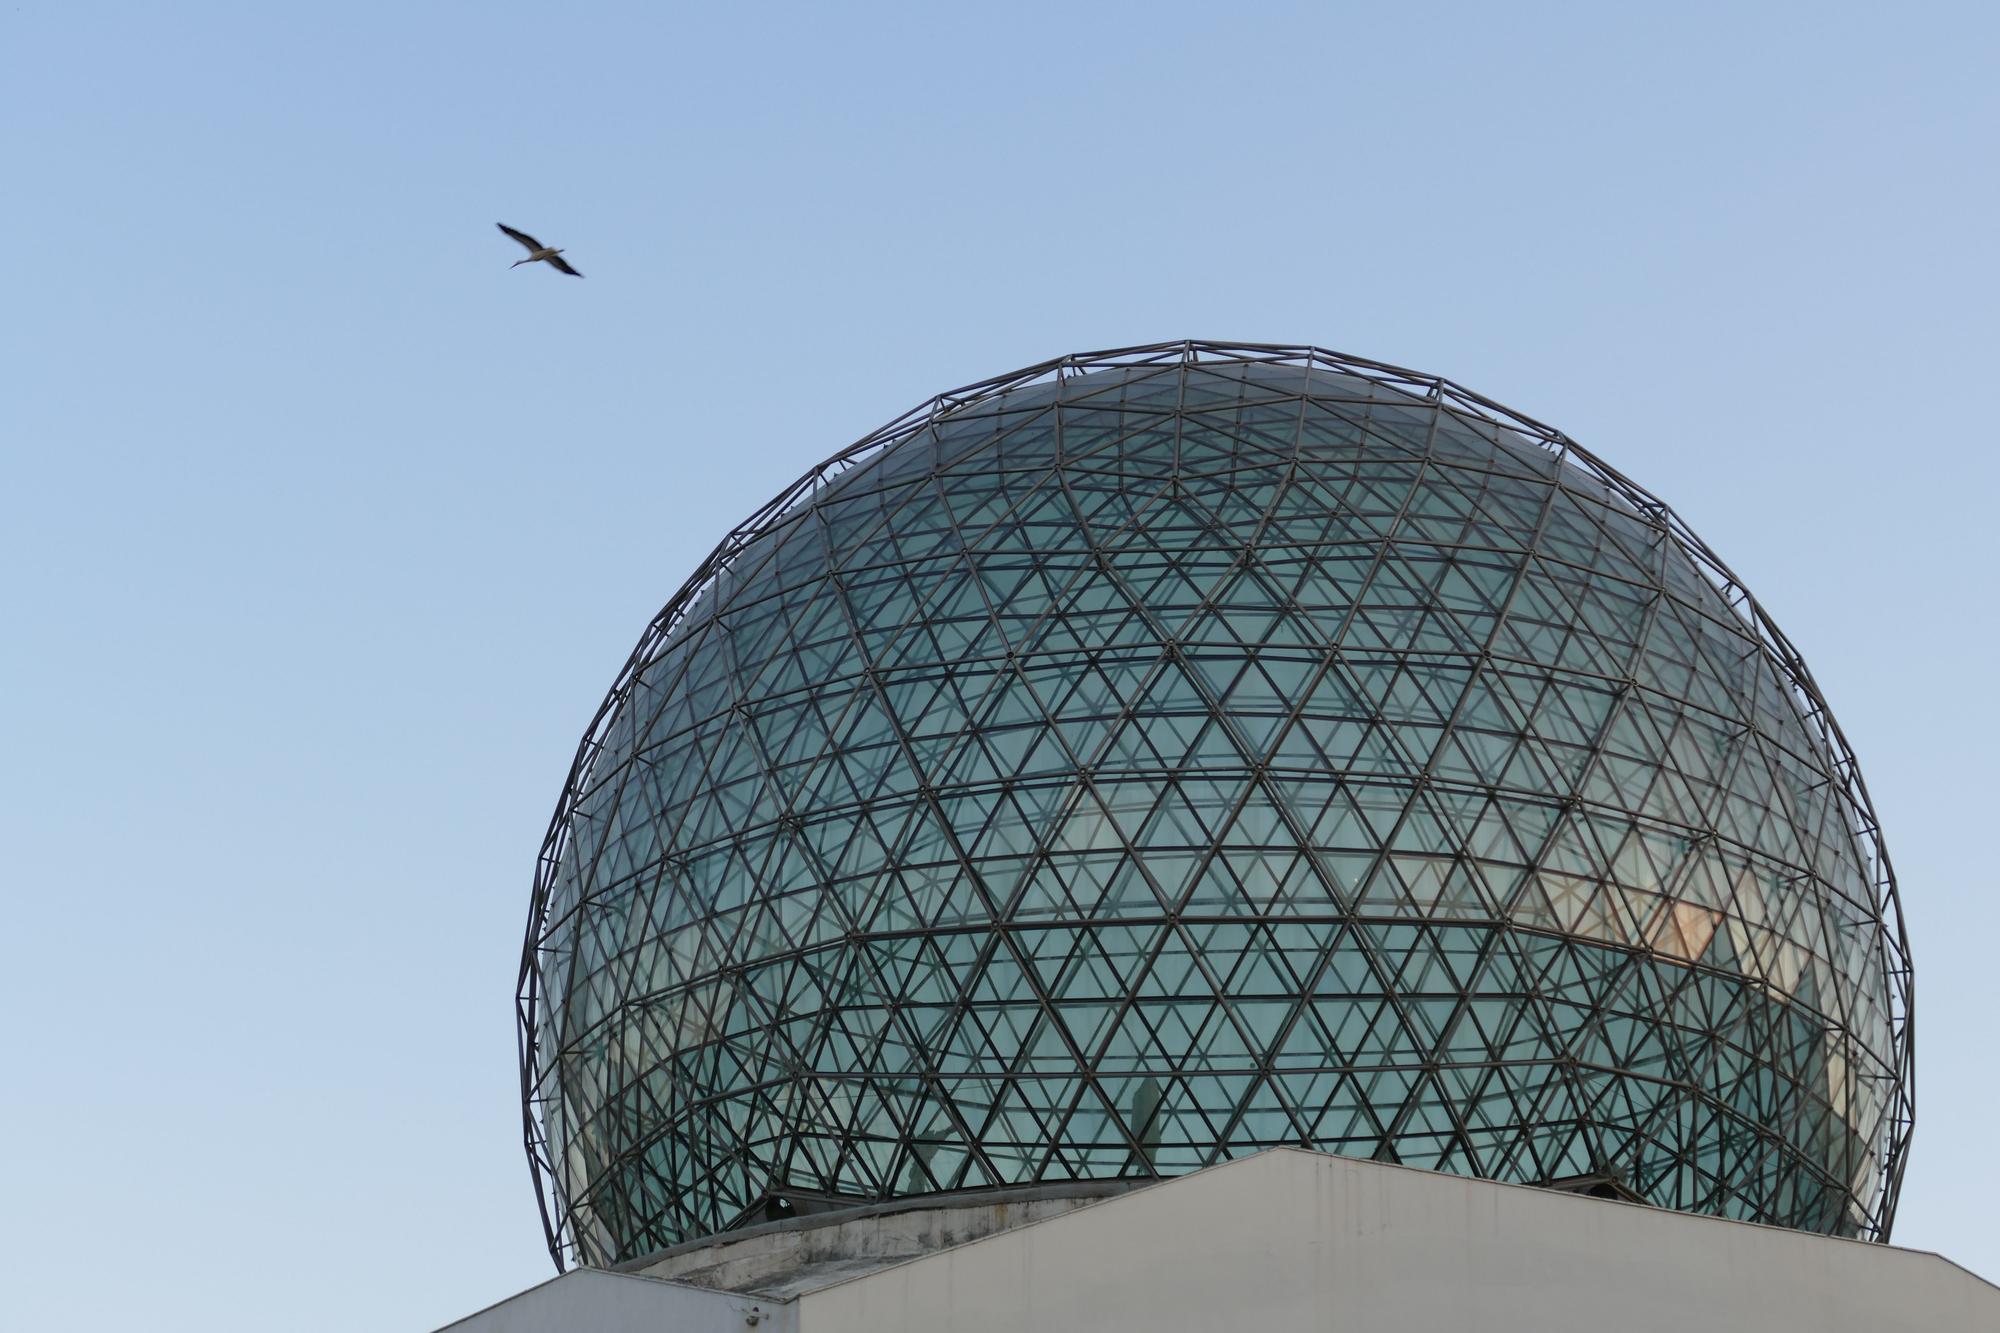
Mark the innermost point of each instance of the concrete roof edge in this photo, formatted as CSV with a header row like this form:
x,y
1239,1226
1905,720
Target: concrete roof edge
x,y
1873,1246
1097,1191
1148,1187
1312,1155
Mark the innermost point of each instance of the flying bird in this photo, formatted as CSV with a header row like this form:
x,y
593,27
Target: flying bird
x,y
536,250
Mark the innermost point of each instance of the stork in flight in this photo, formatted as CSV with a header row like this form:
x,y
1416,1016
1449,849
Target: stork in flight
x,y
536,250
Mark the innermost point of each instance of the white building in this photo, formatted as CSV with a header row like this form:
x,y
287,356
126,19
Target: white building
x,y
1286,1240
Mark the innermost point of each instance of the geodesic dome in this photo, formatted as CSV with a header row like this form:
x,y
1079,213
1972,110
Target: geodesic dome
x,y
1155,756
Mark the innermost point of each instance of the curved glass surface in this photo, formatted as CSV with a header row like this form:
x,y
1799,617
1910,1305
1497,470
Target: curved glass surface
x,y
1121,771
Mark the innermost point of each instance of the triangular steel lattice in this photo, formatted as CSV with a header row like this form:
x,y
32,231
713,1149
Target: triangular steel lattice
x,y
1159,755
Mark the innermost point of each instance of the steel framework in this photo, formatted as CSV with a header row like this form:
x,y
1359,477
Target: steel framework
x,y
1158,754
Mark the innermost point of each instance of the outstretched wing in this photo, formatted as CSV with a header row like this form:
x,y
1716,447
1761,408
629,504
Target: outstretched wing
x,y
561,265
520,236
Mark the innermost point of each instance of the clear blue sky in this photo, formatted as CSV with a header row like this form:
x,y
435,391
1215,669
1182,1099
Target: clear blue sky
x,y
325,532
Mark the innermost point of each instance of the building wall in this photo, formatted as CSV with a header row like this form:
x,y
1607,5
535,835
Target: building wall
x,y
589,1300
1296,1240
1288,1240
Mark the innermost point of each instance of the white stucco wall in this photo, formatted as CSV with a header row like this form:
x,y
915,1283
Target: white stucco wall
x,y
589,1300
1289,1240
1298,1240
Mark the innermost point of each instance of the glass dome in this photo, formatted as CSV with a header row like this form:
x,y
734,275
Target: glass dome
x,y
1157,756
